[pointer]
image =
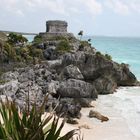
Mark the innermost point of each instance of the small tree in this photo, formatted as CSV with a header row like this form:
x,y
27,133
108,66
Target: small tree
x,y
80,34
14,39
108,56
37,39
89,40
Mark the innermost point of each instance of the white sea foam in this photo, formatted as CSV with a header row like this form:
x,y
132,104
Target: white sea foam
x,y
123,110
129,105
126,103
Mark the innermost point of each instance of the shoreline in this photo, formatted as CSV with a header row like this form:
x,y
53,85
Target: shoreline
x,y
120,125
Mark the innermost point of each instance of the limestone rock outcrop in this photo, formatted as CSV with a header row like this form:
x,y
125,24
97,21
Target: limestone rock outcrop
x,y
72,77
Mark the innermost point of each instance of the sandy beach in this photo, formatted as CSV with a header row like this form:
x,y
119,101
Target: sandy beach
x,y
117,128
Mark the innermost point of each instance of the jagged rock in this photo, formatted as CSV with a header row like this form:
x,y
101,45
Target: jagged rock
x,y
26,74
40,81
105,85
55,63
33,92
9,76
52,87
73,58
94,66
9,89
125,77
5,98
72,79
72,72
72,121
50,53
84,102
77,89
25,85
68,108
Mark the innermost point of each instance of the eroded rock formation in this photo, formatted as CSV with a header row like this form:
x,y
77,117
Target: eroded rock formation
x,y
70,76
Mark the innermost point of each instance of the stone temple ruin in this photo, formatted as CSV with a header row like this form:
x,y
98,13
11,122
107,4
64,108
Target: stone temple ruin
x,y
55,28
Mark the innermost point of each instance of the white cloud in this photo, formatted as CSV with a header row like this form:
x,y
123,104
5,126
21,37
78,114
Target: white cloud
x,y
118,6
123,7
58,6
135,6
19,12
93,6
12,7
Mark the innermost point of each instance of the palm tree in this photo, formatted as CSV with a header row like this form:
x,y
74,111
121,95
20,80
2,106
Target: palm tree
x,y
80,34
89,40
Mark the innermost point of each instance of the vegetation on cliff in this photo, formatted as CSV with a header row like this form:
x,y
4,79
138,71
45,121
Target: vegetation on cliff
x,y
63,46
16,49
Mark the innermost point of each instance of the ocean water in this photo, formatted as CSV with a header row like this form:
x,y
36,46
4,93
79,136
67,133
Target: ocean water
x,y
30,37
122,50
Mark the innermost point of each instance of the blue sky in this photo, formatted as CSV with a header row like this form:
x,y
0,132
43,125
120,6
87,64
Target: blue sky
x,y
94,17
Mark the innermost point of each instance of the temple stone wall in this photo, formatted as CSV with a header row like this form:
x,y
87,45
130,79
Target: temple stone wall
x,y
56,26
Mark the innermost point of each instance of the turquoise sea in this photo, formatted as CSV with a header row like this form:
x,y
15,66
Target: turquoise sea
x,y
122,50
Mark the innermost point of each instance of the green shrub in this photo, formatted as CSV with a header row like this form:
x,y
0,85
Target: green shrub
x,y
24,51
14,39
35,52
2,82
37,39
98,53
29,59
83,44
63,46
10,52
18,58
1,72
108,56
28,125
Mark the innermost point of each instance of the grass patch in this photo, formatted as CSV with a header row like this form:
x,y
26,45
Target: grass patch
x,y
2,82
63,46
107,56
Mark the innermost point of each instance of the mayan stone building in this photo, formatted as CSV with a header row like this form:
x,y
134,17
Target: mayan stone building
x,y
56,26
55,29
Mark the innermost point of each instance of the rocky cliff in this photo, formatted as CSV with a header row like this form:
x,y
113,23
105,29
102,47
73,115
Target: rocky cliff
x,y
73,74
